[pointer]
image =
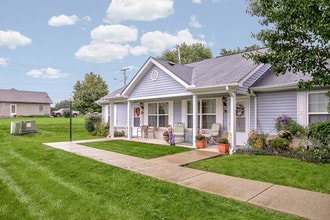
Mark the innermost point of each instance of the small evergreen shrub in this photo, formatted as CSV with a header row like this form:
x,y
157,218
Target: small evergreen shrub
x,y
279,143
66,113
92,122
119,133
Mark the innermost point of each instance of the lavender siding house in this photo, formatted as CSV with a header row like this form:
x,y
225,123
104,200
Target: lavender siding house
x,y
23,103
229,90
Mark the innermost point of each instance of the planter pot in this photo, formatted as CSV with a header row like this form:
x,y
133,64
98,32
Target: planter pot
x,y
223,148
166,138
200,144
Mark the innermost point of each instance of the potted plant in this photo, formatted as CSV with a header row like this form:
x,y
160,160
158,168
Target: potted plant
x,y
223,145
166,136
200,140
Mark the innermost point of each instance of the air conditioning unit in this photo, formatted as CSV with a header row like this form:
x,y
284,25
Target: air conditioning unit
x,y
14,128
27,127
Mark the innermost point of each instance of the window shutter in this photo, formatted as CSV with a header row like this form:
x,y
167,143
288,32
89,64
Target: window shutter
x,y
302,108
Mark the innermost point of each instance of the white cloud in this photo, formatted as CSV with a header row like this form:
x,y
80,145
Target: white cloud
x,y
13,39
47,73
63,20
197,1
193,22
142,10
114,34
102,52
3,61
157,41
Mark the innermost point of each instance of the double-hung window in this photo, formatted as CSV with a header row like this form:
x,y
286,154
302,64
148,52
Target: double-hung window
x,y
206,113
158,114
317,107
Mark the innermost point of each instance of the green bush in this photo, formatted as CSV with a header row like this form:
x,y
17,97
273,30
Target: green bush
x,y
119,133
286,123
286,134
257,140
320,132
92,122
66,113
279,143
313,155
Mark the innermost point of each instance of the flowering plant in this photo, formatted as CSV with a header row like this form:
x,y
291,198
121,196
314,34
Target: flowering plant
x,y
200,135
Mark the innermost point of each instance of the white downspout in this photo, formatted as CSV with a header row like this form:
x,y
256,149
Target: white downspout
x,y
255,110
129,106
195,119
112,120
233,121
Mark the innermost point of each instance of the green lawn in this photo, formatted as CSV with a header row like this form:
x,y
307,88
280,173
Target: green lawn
x,y
277,170
39,182
138,149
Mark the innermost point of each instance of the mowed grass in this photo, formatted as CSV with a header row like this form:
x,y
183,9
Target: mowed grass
x,y
39,182
277,170
137,149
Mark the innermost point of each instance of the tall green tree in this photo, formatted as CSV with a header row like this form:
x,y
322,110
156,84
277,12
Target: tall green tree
x,y
297,36
238,50
187,53
86,92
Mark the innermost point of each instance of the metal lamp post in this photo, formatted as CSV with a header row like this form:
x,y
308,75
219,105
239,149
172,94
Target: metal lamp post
x,y
70,99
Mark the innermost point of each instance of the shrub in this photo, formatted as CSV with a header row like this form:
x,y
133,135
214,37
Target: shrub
x,y
92,122
222,140
257,140
279,143
286,134
119,133
320,132
286,123
66,113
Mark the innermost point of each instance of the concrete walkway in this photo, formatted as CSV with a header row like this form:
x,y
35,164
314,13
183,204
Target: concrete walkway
x,y
303,203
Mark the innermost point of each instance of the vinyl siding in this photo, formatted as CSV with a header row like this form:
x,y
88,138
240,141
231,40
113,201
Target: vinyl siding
x,y
24,109
121,116
253,78
164,85
273,105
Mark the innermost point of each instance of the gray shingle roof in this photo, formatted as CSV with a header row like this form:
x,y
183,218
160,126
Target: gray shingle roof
x,y
13,95
271,79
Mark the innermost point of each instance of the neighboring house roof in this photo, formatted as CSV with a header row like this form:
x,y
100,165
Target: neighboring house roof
x,y
13,95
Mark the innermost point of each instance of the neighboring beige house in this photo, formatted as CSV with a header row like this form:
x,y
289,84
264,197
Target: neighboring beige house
x,y
23,103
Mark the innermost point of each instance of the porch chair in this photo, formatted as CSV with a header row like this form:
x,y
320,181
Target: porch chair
x,y
214,133
178,130
145,130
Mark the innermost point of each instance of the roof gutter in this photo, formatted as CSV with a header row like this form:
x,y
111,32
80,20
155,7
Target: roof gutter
x,y
207,89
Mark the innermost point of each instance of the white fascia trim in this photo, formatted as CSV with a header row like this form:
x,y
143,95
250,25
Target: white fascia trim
x,y
161,96
274,87
213,88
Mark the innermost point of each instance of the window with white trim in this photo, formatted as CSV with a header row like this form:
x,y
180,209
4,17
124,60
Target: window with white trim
x,y
158,114
317,107
206,112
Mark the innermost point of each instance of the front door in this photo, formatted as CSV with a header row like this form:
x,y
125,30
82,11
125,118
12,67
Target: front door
x,y
136,119
242,120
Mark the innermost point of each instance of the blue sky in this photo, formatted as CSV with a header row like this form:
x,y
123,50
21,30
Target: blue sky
x,y
50,45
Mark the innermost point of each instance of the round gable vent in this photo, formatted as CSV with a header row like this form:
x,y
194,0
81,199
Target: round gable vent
x,y
154,75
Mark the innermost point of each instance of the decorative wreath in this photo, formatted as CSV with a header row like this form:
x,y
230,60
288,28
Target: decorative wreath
x,y
239,110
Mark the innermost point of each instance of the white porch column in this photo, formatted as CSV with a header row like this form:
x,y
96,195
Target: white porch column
x,y
112,120
195,119
232,121
129,123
